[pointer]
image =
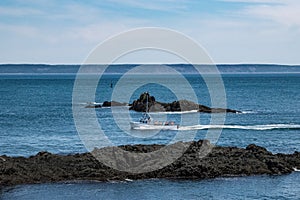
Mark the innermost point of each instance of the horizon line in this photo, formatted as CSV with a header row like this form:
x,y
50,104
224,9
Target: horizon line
x,y
242,63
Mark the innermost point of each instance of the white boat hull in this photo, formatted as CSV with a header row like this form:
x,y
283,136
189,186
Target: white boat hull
x,y
145,126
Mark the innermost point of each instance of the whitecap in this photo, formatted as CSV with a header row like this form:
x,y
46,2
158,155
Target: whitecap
x,y
128,180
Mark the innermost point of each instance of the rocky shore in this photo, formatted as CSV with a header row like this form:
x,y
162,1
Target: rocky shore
x,y
220,162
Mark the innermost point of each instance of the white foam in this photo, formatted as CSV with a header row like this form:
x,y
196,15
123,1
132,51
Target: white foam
x,y
155,127
175,112
242,127
248,112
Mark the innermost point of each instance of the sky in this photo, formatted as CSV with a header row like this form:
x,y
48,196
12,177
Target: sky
x,y
231,31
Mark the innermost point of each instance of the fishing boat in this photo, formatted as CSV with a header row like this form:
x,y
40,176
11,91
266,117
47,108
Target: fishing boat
x,y
147,123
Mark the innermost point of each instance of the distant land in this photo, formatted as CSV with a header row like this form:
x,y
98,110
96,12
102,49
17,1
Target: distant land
x,y
123,68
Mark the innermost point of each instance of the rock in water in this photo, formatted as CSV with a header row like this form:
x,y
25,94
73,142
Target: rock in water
x,y
113,103
140,105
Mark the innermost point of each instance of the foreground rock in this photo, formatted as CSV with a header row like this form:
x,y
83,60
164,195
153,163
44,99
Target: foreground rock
x,y
181,105
221,161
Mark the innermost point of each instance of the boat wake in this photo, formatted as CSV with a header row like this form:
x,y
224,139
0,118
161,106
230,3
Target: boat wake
x,y
206,127
241,127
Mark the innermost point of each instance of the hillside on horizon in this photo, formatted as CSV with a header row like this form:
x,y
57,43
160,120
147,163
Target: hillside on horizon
x,y
123,68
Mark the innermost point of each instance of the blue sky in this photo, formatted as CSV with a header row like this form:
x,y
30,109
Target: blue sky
x,y
231,31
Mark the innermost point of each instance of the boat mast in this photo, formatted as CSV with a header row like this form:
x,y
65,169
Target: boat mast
x,y
147,103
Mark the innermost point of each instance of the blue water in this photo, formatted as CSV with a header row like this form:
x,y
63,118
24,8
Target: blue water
x,y
257,187
36,115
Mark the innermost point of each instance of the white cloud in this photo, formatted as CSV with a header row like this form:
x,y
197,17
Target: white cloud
x,y
244,38
21,30
286,13
265,31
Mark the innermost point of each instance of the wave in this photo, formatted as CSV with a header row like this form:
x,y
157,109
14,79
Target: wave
x,y
87,103
248,112
196,111
174,112
8,113
241,127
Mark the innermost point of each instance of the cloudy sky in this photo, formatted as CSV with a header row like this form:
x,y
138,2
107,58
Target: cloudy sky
x,y
231,31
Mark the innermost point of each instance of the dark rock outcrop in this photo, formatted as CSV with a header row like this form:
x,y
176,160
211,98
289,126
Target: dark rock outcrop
x,y
221,161
181,105
113,103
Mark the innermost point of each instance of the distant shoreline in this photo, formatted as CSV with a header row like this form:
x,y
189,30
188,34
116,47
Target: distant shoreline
x,y
123,68
169,64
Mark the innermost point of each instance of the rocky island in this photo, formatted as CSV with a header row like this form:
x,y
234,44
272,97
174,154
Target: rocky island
x,y
220,162
140,105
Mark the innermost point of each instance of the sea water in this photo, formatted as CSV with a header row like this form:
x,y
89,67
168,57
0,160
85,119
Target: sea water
x,y
36,115
255,187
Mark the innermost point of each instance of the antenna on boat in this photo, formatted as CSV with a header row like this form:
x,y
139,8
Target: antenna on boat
x,y
147,94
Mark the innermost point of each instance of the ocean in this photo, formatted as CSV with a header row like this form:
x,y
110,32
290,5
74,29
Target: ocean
x,y
36,114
